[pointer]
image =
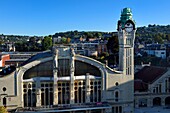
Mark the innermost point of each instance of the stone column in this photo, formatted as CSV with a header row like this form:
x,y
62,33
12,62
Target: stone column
x,y
150,102
87,88
162,101
163,86
55,72
38,94
136,103
72,68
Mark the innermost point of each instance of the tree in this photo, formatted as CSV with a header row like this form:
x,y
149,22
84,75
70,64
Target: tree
x,y
21,46
68,40
3,109
88,35
76,32
63,40
112,45
158,39
113,48
32,39
98,35
168,37
47,42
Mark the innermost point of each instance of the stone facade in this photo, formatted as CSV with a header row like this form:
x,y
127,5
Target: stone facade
x,y
60,78
157,90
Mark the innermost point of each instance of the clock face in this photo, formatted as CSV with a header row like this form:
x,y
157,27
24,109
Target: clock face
x,y
128,27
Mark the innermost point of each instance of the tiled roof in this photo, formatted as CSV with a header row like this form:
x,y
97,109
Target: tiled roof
x,y
149,74
140,86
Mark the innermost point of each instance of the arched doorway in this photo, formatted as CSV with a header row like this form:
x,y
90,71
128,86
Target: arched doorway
x,y
157,101
167,101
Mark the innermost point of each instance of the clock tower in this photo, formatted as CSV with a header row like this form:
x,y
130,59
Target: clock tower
x,y
126,35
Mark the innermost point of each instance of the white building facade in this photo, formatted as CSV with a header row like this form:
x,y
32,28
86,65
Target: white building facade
x,y
62,81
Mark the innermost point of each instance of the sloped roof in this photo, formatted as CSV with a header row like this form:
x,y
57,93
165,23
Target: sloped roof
x,y
6,71
44,54
155,47
140,86
149,74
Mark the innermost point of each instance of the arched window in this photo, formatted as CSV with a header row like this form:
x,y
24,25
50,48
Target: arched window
x,y
116,96
4,101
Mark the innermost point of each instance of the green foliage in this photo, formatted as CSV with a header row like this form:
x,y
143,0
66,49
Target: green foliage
x,y
83,34
63,40
153,33
105,54
32,39
3,109
98,35
146,35
47,43
158,39
113,45
21,46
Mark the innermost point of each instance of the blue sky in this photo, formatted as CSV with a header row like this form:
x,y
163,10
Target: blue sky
x,y
45,17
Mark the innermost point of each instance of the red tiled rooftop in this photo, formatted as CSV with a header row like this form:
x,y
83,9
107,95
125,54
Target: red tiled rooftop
x,y
149,74
140,86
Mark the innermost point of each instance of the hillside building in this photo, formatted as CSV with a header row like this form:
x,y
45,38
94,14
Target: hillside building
x,y
152,87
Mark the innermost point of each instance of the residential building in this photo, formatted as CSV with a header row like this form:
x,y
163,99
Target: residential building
x,y
92,48
57,39
4,57
152,87
158,50
17,58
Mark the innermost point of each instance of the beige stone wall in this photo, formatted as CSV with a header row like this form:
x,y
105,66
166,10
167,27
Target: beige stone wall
x,y
125,86
109,79
8,82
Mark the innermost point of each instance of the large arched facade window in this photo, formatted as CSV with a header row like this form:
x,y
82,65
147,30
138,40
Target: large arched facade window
x,y
45,71
37,78
81,68
41,70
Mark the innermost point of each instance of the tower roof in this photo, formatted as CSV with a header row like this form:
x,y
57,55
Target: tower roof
x,y
126,15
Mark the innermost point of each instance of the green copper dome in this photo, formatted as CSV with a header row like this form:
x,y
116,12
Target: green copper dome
x,y
126,15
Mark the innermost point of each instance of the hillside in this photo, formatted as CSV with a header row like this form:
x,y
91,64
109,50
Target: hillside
x,y
150,34
144,35
153,34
